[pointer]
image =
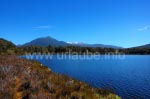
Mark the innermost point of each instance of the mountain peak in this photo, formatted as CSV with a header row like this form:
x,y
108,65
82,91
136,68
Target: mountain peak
x,y
48,37
46,41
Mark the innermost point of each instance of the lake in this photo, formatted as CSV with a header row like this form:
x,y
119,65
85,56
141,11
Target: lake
x,y
128,75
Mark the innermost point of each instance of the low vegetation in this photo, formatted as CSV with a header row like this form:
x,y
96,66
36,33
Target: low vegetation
x,y
26,79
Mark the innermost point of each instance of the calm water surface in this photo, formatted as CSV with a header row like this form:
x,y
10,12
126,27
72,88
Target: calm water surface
x,y
129,77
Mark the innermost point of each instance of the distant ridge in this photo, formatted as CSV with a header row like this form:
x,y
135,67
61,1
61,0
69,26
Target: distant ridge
x,y
46,41
143,46
96,45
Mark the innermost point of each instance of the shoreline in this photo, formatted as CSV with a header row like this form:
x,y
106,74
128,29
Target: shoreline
x,y
29,79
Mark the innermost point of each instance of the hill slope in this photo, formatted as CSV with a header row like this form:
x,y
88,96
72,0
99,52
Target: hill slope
x,y
144,46
6,46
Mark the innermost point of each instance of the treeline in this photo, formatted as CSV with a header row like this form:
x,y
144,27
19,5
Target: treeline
x,y
66,50
7,47
136,51
83,50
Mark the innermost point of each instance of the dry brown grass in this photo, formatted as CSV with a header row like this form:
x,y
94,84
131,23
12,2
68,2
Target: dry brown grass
x,y
25,79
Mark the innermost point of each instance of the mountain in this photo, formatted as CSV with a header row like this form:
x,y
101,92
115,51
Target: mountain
x,y
46,41
143,46
147,45
95,45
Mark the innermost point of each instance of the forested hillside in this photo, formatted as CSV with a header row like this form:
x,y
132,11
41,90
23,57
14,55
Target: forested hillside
x,y
7,47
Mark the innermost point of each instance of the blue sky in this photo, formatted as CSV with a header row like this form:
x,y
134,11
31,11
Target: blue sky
x,y
123,23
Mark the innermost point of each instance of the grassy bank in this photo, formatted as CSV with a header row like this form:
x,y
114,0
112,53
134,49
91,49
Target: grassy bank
x,y
26,79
